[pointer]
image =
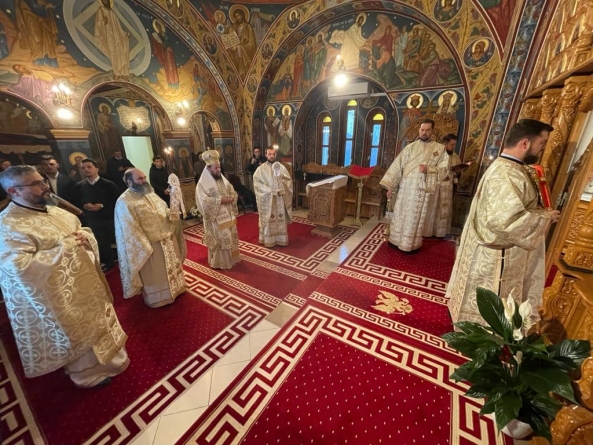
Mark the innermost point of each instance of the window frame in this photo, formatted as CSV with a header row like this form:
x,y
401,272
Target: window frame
x,y
344,128
320,126
368,140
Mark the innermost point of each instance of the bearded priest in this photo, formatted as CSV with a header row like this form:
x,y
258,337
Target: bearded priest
x,y
273,192
413,176
216,200
59,304
149,248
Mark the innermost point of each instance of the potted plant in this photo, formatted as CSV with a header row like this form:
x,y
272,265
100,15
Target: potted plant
x,y
520,376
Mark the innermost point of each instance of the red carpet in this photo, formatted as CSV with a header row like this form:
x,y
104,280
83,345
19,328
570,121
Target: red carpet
x,y
179,342
328,378
304,253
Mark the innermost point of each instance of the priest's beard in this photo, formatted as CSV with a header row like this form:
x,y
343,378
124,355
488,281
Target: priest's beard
x,y
46,199
424,138
530,158
143,189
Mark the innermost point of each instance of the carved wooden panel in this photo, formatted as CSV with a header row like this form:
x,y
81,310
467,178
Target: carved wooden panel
x,y
568,43
576,222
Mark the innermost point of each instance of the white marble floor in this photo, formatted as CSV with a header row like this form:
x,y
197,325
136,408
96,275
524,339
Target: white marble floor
x,y
176,419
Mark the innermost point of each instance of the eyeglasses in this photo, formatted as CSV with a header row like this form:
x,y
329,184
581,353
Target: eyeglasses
x,y
44,183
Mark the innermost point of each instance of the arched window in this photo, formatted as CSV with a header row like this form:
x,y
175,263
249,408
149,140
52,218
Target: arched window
x,y
375,139
349,133
325,139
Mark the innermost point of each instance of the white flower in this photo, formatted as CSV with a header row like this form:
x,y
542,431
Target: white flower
x,y
525,311
517,335
519,357
509,307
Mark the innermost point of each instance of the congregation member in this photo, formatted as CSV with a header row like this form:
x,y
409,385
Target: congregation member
x,y
273,192
96,196
439,211
217,202
61,185
159,178
415,173
116,167
59,304
503,241
256,160
150,249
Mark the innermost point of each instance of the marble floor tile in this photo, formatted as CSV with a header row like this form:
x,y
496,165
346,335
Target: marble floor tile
x,y
172,427
279,316
197,396
260,339
223,375
147,437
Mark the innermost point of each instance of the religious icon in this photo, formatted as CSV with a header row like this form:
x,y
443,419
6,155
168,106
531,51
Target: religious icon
x,y
252,85
447,102
478,53
209,44
445,10
293,19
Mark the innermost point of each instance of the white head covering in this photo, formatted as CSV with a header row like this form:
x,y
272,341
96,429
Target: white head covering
x,y
176,197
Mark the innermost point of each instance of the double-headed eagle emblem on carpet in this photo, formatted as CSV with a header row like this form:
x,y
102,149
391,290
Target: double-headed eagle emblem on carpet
x,y
391,304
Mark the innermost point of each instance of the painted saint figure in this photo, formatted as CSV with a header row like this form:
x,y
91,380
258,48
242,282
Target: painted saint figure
x,y
243,53
162,48
112,40
38,31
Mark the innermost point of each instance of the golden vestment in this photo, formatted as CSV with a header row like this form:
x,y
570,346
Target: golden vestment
x,y
59,304
440,204
412,189
502,245
149,250
220,222
273,191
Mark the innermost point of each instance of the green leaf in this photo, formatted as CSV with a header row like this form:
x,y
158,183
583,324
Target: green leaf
x,y
537,422
576,350
507,409
462,373
545,404
517,319
478,391
549,380
492,311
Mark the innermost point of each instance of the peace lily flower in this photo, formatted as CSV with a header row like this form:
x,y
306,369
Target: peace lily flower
x,y
525,312
509,307
517,334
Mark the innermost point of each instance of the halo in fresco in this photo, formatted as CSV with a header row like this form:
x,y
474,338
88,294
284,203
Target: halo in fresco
x,y
445,10
420,98
175,7
76,154
242,8
478,53
293,19
286,107
79,16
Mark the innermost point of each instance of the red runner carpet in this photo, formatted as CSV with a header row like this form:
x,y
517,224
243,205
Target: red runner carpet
x,y
330,378
170,348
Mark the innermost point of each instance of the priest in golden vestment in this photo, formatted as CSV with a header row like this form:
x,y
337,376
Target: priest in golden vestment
x,y
216,200
503,241
440,203
273,192
149,248
59,304
414,174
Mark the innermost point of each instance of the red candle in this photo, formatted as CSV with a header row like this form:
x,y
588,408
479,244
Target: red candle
x,y
542,183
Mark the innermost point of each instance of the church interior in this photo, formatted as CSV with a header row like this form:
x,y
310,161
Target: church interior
x,y
334,339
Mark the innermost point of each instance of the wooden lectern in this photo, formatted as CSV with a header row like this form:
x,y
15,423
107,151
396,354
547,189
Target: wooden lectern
x,y
327,204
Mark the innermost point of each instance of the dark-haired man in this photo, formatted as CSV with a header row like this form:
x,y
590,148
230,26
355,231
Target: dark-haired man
x,y
96,196
61,185
502,245
116,166
415,173
159,178
59,305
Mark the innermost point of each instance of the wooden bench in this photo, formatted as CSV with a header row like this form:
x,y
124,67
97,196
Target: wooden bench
x,y
373,195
